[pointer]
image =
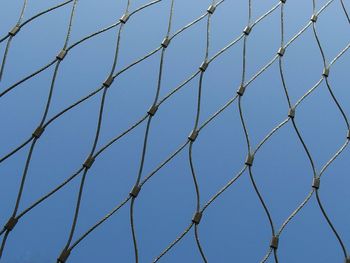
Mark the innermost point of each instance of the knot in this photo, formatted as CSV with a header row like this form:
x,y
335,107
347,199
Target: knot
x,y
325,72
124,18
250,159
108,82
11,223
211,9
89,162
241,90
38,132
291,113
63,256
166,41
314,18
247,30
62,54
152,111
197,218
281,51
193,135
135,191
203,67
316,183
14,30
274,242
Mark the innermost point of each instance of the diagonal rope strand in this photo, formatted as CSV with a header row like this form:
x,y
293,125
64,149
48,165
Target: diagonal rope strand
x,y
38,131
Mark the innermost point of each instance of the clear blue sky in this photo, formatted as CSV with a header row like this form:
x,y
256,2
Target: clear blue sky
x,y
235,227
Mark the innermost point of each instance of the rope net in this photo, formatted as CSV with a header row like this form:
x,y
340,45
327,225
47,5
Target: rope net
x,y
149,167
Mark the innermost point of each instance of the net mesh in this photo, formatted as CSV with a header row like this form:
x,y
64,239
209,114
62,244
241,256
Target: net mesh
x,y
142,178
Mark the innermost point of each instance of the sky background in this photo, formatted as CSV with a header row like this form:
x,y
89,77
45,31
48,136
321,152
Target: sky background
x,y
234,228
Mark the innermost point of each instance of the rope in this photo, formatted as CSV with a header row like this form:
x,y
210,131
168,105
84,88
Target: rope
x,y
148,119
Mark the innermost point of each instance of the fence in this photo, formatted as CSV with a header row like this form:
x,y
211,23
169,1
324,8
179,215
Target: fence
x,y
96,152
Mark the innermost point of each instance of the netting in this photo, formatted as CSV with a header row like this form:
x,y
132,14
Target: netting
x,y
142,178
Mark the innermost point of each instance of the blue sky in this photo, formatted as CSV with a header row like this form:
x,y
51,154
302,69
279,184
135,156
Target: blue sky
x,y
234,227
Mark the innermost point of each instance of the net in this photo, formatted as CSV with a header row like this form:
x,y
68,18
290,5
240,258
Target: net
x,y
142,178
